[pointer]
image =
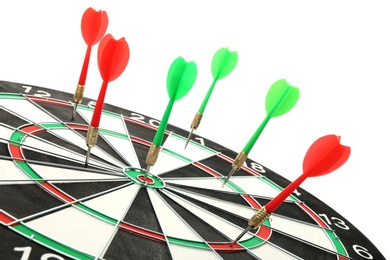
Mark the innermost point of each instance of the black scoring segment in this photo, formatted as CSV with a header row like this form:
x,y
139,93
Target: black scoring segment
x,y
23,200
91,190
141,212
222,195
10,239
126,245
300,248
141,151
11,119
239,221
189,171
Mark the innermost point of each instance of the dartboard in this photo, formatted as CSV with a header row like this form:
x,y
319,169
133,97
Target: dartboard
x,y
54,207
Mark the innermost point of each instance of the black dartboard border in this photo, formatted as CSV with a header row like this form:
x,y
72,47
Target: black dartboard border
x,y
349,238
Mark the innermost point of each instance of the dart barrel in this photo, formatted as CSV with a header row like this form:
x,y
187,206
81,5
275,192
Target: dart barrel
x,y
78,94
92,136
151,158
196,121
239,161
257,219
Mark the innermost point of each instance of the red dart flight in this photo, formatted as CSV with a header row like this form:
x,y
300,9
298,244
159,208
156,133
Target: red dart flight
x,y
93,26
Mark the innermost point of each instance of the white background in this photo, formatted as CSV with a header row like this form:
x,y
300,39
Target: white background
x,y
336,52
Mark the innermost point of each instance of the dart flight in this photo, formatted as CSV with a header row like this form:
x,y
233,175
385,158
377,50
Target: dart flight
x,y
324,156
223,63
181,77
281,98
93,26
113,56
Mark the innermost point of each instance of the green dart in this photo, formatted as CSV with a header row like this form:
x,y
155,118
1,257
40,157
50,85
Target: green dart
x,y
181,77
224,61
280,99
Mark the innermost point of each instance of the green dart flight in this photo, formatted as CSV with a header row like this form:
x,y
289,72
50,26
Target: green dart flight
x,y
280,99
181,77
224,61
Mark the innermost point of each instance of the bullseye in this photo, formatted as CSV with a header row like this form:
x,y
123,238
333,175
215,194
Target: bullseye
x,y
138,176
145,180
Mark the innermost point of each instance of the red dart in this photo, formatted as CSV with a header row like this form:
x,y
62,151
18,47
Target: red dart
x,y
324,156
93,26
113,56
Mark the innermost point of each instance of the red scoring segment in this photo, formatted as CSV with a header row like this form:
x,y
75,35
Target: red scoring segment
x,y
143,179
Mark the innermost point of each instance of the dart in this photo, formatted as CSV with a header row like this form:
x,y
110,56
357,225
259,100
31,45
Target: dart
x,y
224,61
113,56
181,77
280,99
324,156
93,26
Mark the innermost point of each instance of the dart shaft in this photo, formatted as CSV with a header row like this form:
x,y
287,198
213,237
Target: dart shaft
x,y
163,124
84,70
97,112
275,202
207,97
248,147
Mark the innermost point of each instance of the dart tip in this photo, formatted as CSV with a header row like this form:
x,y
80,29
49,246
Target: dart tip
x,y
74,112
228,177
241,235
87,157
146,172
188,138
